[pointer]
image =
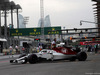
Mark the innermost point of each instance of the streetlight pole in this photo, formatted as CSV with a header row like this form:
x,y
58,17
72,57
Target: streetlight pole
x,y
87,22
12,4
5,18
6,7
17,19
17,8
0,22
1,4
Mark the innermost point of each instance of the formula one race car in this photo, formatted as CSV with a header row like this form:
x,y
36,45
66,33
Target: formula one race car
x,y
52,54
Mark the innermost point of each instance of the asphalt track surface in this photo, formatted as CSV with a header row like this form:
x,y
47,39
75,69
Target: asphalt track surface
x,y
62,67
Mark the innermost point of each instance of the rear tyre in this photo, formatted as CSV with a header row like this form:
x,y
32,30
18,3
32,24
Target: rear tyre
x,y
82,56
32,58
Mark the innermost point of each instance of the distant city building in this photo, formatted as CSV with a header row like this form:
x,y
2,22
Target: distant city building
x,y
21,21
39,23
47,22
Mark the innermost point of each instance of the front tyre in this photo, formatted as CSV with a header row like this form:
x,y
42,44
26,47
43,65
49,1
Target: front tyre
x,y
32,58
82,56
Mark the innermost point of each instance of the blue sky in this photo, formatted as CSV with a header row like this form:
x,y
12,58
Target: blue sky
x,y
65,13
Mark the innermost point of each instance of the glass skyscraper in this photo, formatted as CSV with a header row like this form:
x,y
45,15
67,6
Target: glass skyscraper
x,y
47,22
21,21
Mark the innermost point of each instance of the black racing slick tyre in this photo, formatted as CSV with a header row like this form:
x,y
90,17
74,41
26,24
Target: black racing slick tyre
x,y
82,56
32,58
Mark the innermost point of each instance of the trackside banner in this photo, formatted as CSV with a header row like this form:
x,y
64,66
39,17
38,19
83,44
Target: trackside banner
x,y
34,31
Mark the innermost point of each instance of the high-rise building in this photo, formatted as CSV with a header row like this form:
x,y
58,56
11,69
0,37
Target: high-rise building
x,y
39,23
21,21
47,22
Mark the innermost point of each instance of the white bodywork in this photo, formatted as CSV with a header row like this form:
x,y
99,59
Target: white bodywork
x,y
53,55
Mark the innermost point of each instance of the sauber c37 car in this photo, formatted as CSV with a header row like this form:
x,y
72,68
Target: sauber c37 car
x,y
56,53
